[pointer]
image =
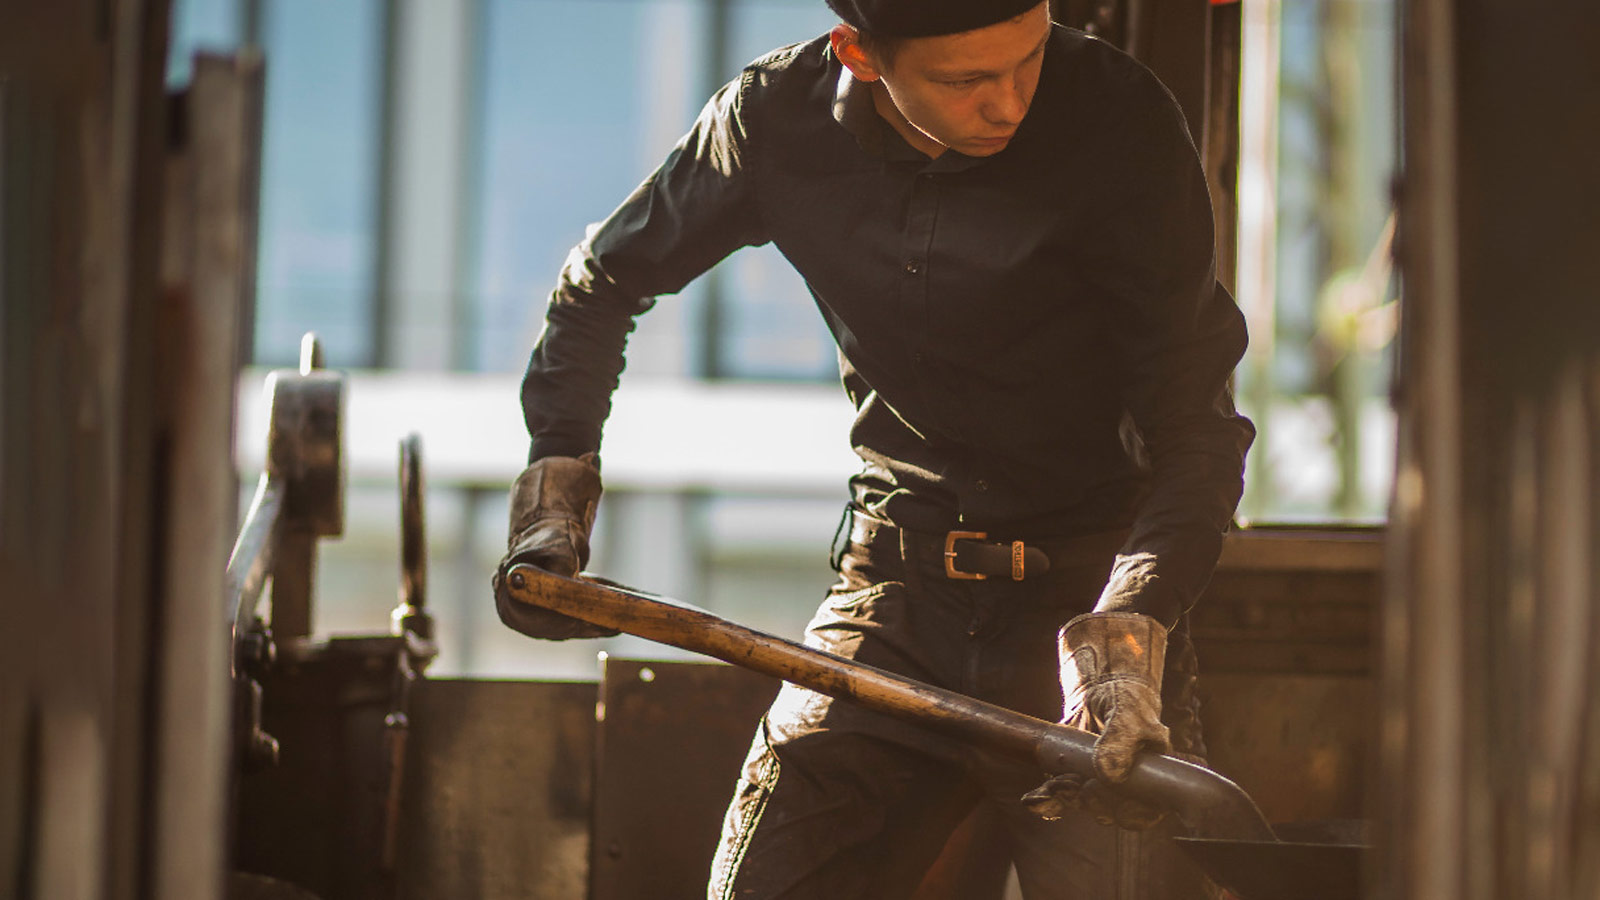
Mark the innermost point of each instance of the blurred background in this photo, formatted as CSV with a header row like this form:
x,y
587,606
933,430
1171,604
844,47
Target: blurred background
x,y
428,164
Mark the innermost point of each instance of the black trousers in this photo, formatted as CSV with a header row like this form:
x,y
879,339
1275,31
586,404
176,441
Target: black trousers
x,y
836,802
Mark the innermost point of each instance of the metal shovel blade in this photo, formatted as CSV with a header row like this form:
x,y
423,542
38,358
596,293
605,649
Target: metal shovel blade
x,y
1280,870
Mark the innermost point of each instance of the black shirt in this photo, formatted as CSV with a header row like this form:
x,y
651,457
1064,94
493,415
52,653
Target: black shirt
x,y
1035,342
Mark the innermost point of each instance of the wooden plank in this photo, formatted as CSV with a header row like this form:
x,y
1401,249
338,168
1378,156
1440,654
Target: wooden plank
x,y
137,466
1299,744
1303,550
210,253
78,271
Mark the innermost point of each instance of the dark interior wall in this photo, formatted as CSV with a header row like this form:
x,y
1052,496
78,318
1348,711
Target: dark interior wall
x,y
1194,49
82,141
1529,127
1172,38
1491,727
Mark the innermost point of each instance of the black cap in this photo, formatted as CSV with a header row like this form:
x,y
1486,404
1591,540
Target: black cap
x,y
926,18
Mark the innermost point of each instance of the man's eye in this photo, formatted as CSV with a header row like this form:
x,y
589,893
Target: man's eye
x,y
963,83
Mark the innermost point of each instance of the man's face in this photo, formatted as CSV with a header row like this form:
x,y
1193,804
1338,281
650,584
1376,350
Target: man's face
x,y
966,91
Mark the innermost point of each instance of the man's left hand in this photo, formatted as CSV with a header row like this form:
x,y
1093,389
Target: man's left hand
x,y
1111,666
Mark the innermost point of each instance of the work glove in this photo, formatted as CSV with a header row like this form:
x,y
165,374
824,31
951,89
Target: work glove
x,y
553,504
1111,667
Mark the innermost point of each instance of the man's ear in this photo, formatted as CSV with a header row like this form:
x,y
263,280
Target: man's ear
x,y
846,43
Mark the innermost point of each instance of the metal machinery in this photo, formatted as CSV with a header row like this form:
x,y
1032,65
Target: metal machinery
x,y
358,778
319,766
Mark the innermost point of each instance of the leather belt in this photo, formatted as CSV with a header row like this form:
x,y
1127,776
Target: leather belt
x,y
974,556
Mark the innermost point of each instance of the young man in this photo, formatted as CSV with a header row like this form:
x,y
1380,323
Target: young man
x,y
1005,225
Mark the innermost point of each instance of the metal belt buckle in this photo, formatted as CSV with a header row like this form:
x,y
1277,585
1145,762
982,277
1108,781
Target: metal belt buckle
x,y
950,569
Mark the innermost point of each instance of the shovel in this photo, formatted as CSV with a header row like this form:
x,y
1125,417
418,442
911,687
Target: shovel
x,y
1227,834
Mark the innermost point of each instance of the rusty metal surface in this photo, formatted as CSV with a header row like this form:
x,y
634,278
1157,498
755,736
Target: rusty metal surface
x,y
497,794
1281,870
1301,745
316,818
1286,635
668,752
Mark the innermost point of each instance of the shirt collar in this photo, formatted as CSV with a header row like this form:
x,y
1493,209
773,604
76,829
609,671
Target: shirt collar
x,y
854,110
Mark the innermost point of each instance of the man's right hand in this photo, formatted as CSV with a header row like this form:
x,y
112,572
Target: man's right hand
x,y
553,505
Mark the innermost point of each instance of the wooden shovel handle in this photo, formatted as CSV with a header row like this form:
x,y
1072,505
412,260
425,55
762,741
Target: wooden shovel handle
x,y
1204,800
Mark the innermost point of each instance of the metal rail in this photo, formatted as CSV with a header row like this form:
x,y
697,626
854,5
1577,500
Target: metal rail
x,y
250,564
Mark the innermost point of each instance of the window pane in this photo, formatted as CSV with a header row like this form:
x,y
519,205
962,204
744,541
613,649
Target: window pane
x,y
199,25
568,132
319,174
769,326
1316,378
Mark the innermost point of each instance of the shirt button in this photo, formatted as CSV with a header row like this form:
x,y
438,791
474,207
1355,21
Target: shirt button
x,y
914,267
981,485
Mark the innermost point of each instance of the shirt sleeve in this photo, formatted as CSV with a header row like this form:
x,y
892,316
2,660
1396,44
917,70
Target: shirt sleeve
x,y
698,207
1178,336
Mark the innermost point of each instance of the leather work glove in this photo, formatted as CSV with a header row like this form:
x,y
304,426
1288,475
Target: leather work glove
x,y
1111,667
553,504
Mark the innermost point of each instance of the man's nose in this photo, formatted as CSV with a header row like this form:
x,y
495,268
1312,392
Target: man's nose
x,y
1008,104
